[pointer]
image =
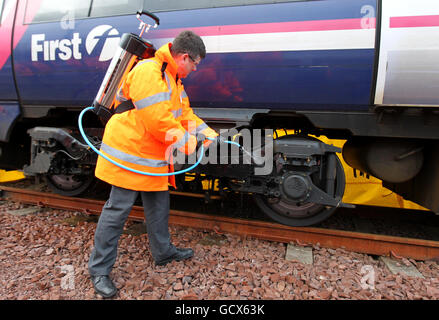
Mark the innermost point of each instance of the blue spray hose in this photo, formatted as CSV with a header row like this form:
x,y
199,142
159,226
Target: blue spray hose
x,y
134,170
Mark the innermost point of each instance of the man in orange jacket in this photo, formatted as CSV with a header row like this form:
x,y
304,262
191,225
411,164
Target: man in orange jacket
x,y
143,139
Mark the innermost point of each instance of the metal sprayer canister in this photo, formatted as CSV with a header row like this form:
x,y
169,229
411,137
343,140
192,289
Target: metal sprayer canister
x,y
131,49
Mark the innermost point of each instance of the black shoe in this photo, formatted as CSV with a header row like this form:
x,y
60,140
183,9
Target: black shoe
x,y
104,286
181,254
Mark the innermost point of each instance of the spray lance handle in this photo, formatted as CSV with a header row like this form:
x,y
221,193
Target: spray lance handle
x,y
149,14
145,26
218,139
201,139
221,139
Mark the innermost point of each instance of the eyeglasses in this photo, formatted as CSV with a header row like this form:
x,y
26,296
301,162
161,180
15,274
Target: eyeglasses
x,y
193,60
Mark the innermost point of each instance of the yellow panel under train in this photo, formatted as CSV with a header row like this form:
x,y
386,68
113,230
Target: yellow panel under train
x,y
359,189
362,190
8,176
368,191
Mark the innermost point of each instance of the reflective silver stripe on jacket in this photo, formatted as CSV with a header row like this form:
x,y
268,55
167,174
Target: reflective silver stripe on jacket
x,y
177,113
120,96
145,61
200,128
167,81
132,159
155,98
183,95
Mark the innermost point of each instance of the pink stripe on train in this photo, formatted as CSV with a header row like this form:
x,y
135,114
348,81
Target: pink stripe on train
x,y
275,27
414,21
20,29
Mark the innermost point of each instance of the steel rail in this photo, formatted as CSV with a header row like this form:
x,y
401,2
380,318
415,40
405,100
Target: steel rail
x,y
353,241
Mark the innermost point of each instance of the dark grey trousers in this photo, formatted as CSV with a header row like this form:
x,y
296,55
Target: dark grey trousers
x,y
112,221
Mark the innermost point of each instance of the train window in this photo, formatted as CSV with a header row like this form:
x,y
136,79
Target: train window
x,y
56,10
169,5
101,8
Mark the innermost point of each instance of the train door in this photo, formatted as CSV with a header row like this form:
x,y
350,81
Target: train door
x,y
7,87
9,106
408,72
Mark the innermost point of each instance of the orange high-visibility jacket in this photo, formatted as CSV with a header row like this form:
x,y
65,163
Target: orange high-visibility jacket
x,y
143,138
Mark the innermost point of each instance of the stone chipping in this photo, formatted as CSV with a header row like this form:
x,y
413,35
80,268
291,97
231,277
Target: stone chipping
x,y
44,255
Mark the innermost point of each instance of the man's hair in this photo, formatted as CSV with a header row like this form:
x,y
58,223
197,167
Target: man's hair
x,y
189,42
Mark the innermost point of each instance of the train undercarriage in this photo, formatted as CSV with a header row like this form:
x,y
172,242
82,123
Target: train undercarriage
x,y
302,185
295,179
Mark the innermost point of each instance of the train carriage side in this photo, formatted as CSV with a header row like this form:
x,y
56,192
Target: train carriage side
x,y
285,56
331,67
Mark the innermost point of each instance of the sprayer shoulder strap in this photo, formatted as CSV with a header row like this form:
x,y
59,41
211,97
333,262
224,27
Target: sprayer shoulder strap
x,y
124,106
128,104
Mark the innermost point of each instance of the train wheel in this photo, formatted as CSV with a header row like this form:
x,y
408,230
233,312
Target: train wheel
x,y
69,185
297,214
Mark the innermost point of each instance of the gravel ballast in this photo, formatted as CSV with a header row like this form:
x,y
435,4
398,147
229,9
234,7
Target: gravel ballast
x,y
44,256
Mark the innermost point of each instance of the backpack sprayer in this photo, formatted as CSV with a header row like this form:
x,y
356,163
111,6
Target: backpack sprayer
x,y
132,49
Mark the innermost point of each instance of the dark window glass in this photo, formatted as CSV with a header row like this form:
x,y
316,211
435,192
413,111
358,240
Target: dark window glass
x,y
56,10
168,5
101,8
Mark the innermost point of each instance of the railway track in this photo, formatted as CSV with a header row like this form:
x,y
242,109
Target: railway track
x,y
354,241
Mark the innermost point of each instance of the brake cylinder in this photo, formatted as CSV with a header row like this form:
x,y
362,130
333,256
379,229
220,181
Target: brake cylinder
x,y
387,159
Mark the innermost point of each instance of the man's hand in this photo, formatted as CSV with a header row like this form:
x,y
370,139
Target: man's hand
x,y
209,135
190,146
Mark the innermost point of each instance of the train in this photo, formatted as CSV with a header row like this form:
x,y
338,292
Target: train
x,y
364,71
